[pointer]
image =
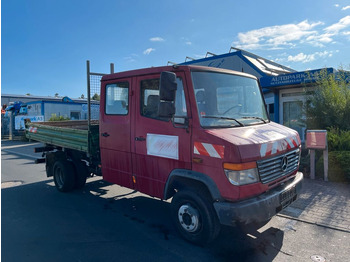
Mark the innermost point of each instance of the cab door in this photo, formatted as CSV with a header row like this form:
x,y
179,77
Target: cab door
x,y
115,132
160,146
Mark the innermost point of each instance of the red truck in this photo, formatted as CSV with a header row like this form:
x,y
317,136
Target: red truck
x,y
198,135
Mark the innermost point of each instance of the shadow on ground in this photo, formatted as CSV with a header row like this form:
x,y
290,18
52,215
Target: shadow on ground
x,y
103,223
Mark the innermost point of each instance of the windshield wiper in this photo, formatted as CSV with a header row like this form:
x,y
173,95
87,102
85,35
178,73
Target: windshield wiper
x,y
255,117
225,118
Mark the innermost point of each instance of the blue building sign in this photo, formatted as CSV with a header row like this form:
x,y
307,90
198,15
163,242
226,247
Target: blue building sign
x,y
293,78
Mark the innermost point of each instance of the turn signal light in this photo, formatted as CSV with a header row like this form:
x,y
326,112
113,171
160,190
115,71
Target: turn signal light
x,y
240,166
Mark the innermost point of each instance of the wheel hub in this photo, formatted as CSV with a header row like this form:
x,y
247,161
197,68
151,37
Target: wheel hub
x,y
188,218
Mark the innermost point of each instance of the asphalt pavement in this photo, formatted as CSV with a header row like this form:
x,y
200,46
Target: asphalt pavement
x,y
105,222
321,203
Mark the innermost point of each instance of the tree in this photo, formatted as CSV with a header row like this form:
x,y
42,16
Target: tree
x,y
82,96
56,94
328,105
96,97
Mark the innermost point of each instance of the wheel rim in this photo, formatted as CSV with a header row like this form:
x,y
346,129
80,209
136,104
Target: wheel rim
x,y
189,218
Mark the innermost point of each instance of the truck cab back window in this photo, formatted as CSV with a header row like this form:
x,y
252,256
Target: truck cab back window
x,y
117,98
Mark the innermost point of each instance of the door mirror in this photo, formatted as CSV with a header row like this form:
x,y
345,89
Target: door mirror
x,y
167,93
168,86
166,109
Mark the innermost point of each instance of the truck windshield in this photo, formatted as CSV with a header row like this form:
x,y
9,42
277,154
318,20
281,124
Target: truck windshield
x,y
228,100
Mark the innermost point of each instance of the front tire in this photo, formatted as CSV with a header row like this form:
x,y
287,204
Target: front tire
x,y
194,217
64,175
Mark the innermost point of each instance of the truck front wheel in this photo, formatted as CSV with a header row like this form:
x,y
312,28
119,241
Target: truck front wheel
x,y
194,217
63,175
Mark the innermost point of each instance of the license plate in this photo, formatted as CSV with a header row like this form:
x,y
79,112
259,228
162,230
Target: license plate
x,y
287,197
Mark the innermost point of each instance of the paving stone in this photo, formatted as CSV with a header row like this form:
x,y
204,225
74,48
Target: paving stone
x,y
321,202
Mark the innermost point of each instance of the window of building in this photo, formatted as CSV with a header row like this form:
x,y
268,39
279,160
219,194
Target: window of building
x,y
117,99
74,115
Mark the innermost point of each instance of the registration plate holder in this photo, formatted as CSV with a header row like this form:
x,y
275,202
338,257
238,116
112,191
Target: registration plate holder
x,y
287,197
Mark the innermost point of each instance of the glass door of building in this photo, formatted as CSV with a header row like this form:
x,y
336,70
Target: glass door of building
x,y
291,110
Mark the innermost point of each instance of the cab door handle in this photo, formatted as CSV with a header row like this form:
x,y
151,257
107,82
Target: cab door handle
x,y
105,134
140,138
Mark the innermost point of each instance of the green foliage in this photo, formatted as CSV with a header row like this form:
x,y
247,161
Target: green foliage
x,y
328,105
54,117
305,162
338,140
344,160
96,97
338,166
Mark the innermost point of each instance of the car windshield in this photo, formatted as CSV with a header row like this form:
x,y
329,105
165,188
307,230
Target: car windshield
x,y
228,100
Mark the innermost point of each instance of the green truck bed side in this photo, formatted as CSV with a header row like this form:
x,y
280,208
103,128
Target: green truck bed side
x,y
68,134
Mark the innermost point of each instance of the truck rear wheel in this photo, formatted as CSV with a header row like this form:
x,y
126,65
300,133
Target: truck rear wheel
x,y
81,174
194,217
64,175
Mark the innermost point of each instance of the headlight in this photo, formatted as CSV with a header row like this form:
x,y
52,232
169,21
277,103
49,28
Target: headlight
x,y
241,174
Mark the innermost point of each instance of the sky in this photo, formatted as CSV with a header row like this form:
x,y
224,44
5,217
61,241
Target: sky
x,y
45,43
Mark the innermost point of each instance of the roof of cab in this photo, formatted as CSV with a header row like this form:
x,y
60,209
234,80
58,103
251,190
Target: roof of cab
x,y
174,68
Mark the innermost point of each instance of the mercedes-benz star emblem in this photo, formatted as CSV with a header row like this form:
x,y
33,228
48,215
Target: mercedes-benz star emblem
x,y
284,163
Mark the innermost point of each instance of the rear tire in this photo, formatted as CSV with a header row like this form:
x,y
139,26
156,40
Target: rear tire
x,y
81,174
64,175
194,217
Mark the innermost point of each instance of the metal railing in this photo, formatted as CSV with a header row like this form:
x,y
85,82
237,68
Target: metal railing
x,y
93,91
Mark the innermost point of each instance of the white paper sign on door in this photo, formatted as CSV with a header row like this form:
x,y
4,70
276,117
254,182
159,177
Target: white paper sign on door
x,y
163,146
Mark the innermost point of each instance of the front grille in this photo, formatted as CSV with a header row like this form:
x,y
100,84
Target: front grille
x,y
271,169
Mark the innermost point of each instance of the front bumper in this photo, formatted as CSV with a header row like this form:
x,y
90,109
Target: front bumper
x,y
262,207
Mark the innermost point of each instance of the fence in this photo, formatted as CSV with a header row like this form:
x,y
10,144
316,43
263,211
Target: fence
x,y
93,91
5,127
8,130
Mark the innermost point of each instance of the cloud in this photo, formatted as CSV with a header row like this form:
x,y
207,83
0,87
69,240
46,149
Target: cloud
x,y
291,35
277,36
304,58
156,39
185,40
301,57
335,28
346,7
148,51
319,40
330,32
131,58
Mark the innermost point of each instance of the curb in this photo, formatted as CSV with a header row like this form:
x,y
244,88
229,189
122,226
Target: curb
x,y
341,229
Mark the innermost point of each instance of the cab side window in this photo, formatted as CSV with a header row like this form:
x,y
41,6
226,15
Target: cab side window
x,y
117,99
150,99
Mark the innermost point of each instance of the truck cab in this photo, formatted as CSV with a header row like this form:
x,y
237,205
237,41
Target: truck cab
x,y
202,137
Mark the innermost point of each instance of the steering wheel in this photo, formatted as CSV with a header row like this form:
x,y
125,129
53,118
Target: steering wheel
x,y
233,107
